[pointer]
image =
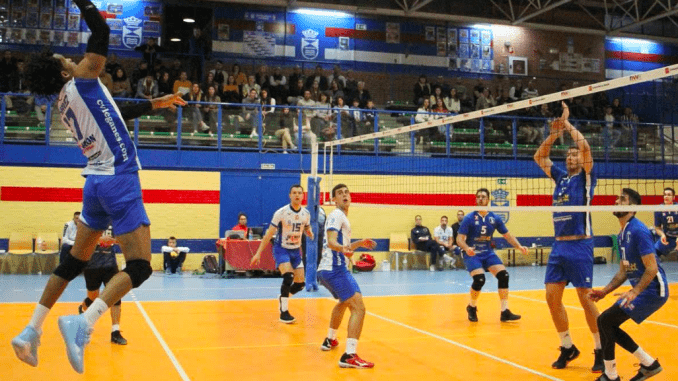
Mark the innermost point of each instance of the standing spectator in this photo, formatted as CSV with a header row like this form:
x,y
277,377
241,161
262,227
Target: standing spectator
x,y
296,92
277,83
250,114
8,69
286,125
68,238
336,76
121,87
173,256
362,94
455,230
212,109
150,50
629,124
443,234
165,86
317,76
421,237
422,90
240,77
251,85
220,75
199,49
195,110
147,88
478,91
369,115
460,89
182,85
357,119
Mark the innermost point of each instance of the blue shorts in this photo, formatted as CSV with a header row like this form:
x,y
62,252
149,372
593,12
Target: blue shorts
x,y
113,200
665,249
282,255
571,261
340,283
481,261
644,304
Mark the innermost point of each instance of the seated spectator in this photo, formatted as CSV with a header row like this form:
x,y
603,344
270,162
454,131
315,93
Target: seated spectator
x,y
617,109
41,103
503,98
351,83
306,102
485,100
422,90
462,92
421,237
182,85
195,110
441,112
240,77
296,92
249,120
335,92
317,76
23,105
286,123
112,64
369,115
357,119
516,91
8,70
478,91
219,74
444,87
139,73
261,77
277,83
175,71
443,235
165,84
121,87
212,109
230,92
452,101
341,114
321,122
362,94
209,81
315,91
600,103
173,257
437,94
530,91
423,115
336,76
147,88
307,136
242,224
68,236
267,110
295,77
251,85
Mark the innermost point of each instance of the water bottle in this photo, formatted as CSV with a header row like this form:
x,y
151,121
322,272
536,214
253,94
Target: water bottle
x,y
404,262
250,236
38,244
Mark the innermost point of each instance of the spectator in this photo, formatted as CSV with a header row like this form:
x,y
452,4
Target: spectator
x,y
277,83
422,90
437,94
251,85
106,79
68,237
455,226
286,125
351,83
440,82
112,64
41,103
362,94
530,92
369,115
240,77
443,235
199,48
342,112
262,77
139,73
600,102
147,88
250,113
182,85
209,81
296,92
121,87
357,119
421,237
441,112
230,92
150,50
212,109
175,70
485,100
478,92
317,76
315,91
195,110
307,136
173,256
516,91
321,123
242,224
335,92
423,115
296,76
268,107
611,134
503,98
164,84
159,69
452,102
629,126
220,75
307,102
23,105
617,109
336,76
461,90
8,70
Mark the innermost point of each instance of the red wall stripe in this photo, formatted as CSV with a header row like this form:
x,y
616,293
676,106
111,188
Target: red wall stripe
x,y
151,196
640,57
546,200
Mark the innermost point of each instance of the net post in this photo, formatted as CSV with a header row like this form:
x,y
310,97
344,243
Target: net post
x,y
312,244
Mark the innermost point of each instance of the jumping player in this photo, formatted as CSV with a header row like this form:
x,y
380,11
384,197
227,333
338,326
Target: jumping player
x,y
474,236
112,192
289,223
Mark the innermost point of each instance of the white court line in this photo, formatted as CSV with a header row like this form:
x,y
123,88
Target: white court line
x,y
471,349
164,345
581,309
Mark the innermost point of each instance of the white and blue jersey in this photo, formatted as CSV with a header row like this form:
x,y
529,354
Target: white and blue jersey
x,y
291,225
89,112
668,221
479,230
575,190
333,260
635,242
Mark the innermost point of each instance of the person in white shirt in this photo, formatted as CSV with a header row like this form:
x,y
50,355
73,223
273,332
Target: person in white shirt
x,y
288,224
443,235
173,256
423,115
68,238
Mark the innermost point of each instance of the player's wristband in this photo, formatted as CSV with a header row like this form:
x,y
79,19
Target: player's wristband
x,y
135,110
98,41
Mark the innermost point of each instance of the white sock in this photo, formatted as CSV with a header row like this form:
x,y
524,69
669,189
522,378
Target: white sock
x,y
473,303
332,334
611,369
115,327
95,311
565,339
596,340
283,304
504,304
39,315
643,357
351,346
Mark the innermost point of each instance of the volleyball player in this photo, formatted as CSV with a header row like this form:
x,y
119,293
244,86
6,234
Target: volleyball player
x,y
474,237
666,225
334,275
112,191
571,259
640,265
288,224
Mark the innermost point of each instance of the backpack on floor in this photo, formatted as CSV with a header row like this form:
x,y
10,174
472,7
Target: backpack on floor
x,y
210,264
366,263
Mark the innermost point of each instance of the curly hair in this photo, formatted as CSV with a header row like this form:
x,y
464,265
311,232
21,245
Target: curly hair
x,y
43,74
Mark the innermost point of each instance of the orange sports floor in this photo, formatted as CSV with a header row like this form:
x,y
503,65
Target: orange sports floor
x,y
407,337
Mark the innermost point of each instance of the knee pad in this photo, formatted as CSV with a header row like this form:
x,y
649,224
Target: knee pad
x,y
118,303
288,279
88,302
70,268
478,282
503,279
296,287
138,270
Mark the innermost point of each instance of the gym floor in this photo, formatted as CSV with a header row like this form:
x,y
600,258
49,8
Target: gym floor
x,y
205,328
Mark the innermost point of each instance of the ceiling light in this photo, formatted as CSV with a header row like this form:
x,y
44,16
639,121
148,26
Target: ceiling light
x,y
189,20
175,39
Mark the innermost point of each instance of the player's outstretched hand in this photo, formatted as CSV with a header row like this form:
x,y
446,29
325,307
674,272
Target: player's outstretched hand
x,y
368,244
596,295
664,241
470,252
347,251
256,259
625,298
169,101
524,250
566,111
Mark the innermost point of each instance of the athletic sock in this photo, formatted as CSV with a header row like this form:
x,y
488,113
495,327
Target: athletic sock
x,y
643,357
351,346
39,315
115,327
504,304
283,304
332,334
565,339
473,303
95,311
611,369
596,340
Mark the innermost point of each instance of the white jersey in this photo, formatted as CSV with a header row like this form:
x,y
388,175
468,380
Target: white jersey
x,y
291,225
338,222
443,235
88,110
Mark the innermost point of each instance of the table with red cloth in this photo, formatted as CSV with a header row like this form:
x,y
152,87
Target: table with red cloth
x,y
239,252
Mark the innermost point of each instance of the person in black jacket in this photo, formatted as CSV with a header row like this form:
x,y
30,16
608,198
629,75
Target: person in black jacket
x,y
423,240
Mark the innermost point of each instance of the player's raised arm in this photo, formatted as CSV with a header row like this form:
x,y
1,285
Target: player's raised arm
x,y
542,156
579,140
97,45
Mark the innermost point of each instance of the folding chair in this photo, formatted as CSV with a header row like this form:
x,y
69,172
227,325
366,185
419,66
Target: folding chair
x,y
19,254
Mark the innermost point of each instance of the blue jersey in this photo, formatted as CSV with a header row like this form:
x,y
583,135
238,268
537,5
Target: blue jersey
x,y
479,230
89,112
635,241
575,190
668,221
